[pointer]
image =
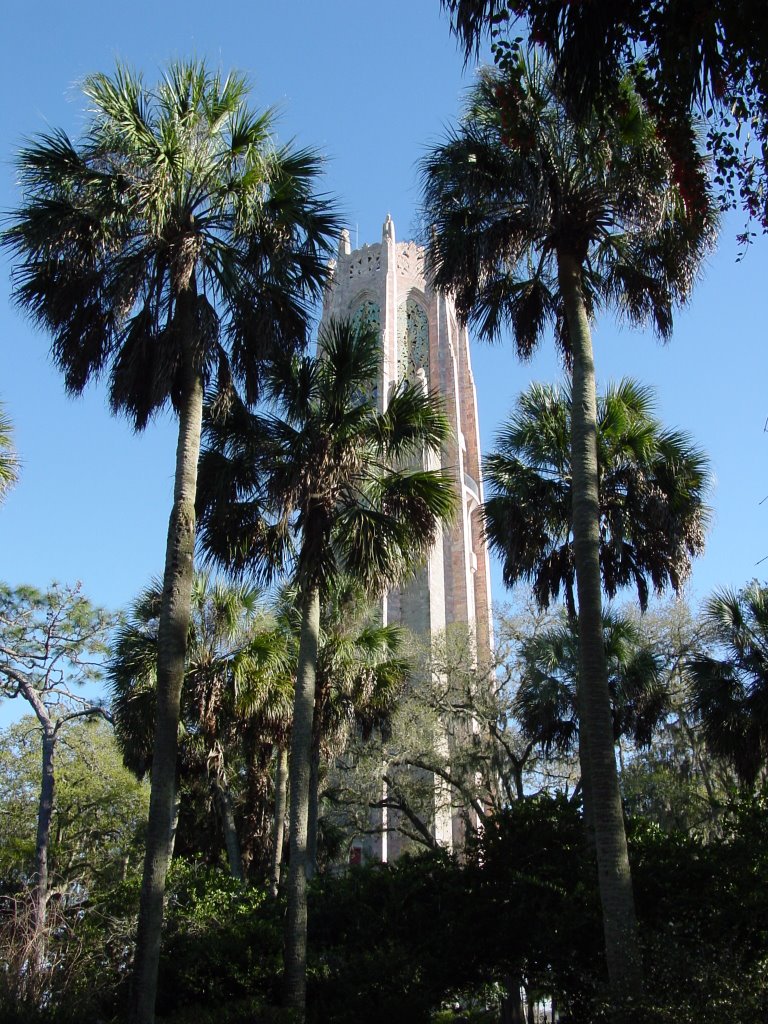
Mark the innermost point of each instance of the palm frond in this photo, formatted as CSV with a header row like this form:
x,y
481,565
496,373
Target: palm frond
x,y
653,484
170,183
728,691
9,460
521,181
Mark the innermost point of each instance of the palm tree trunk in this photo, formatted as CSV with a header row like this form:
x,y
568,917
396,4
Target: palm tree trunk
x,y
229,827
171,655
174,822
619,921
586,788
313,812
295,957
42,843
281,779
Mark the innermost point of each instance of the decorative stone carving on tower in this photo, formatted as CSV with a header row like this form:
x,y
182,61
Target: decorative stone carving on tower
x,y
385,286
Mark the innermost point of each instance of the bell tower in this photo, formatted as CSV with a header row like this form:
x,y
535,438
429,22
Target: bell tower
x,y
385,286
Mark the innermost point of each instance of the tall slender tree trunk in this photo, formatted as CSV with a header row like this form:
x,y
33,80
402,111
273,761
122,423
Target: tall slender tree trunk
x,y
313,812
295,956
42,842
586,789
511,1003
171,655
257,830
44,816
281,782
619,921
229,827
174,822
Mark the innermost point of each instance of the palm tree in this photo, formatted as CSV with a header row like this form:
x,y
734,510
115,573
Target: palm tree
x,y
315,491
651,492
651,487
173,246
538,219
546,704
237,666
9,462
729,693
715,65
361,672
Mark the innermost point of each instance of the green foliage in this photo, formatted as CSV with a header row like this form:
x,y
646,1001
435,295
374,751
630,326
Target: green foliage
x,y
704,918
96,839
313,487
546,702
402,941
222,945
50,642
729,687
653,486
710,59
520,182
399,941
383,941
221,957
9,461
396,942
536,881
236,659
663,784
171,183
99,810
235,704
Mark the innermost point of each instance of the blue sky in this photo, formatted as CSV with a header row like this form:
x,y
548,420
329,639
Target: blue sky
x,y
371,85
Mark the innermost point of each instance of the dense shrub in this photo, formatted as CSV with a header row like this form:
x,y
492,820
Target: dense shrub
x,y
408,941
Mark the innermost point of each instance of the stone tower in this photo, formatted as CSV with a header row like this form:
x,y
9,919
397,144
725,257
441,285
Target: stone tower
x,y
384,285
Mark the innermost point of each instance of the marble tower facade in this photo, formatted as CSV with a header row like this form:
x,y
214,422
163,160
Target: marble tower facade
x,y
385,285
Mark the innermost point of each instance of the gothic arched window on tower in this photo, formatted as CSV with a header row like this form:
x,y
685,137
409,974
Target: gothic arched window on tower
x,y
412,340
367,316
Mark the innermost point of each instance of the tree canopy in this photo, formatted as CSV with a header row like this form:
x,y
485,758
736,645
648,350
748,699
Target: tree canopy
x,y
652,488
709,59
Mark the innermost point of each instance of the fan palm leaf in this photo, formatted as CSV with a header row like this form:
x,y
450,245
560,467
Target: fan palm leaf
x,y
546,702
652,488
9,461
728,692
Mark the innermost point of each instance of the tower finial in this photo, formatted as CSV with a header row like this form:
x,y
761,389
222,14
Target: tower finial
x,y
344,246
388,231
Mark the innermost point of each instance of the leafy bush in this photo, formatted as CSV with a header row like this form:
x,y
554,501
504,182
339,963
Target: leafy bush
x,y
406,941
222,948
